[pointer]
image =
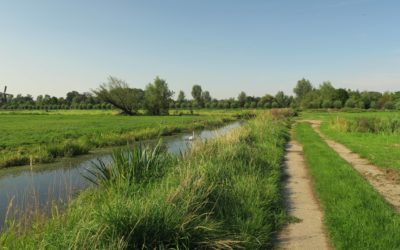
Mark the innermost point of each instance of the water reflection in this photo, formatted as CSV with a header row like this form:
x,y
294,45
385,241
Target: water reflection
x,y
39,187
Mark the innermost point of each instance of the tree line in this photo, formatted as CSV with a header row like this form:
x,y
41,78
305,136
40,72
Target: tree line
x,y
157,99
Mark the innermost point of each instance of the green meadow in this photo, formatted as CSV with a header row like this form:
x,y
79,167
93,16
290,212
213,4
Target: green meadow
x,y
41,136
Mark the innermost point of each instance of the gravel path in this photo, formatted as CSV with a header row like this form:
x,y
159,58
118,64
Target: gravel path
x,y
309,232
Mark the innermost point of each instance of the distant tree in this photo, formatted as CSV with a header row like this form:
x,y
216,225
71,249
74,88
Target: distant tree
x,y
397,105
303,87
351,103
282,100
389,105
181,97
327,91
118,93
157,96
327,104
386,97
342,95
311,100
242,98
197,94
73,96
206,97
337,104
373,105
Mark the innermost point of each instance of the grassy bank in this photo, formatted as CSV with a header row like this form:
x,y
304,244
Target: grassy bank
x,y
223,194
356,216
43,137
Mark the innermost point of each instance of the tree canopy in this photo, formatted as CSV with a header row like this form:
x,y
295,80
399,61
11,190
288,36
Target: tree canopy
x,y
118,93
157,96
303,87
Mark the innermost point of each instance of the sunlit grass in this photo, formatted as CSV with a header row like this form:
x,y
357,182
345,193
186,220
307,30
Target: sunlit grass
x,y
356,216
223,194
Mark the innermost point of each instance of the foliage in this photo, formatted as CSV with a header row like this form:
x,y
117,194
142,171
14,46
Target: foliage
x,y
303,87
117,93
197,94
181,97
157,96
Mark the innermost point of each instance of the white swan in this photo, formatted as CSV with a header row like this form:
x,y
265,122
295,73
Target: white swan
x,y
191,138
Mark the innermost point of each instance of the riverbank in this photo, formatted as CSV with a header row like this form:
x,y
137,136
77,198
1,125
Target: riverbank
x,y
221,194
30,138
24,189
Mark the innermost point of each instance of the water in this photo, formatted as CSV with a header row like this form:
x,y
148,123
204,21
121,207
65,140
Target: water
x,y
24,189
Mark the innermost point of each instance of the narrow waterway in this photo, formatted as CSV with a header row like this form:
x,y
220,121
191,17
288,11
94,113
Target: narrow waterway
x,y
25,189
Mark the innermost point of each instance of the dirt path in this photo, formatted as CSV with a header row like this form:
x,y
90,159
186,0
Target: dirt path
x,y
309,232
384,181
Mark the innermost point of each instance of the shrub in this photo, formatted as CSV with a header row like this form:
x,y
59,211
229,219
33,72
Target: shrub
x,y
337,104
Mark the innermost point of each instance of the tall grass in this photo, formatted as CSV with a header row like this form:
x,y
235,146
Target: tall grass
x,y
367,125
223,194
356,216
136,165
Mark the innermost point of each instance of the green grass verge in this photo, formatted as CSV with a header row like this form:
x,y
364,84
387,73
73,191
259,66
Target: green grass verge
x,y
356,216
223,194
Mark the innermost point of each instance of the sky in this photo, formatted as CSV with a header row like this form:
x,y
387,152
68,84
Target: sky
x,y
226,46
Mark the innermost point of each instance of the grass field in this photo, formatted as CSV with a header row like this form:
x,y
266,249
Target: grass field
x,y
44,136
356,216
223,194
380,146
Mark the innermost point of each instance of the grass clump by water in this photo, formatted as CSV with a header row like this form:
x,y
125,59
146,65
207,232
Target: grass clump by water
x,y
356,216
223,194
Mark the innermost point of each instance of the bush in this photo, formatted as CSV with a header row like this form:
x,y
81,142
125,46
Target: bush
x,y
350,103
337,104
327,104
389,105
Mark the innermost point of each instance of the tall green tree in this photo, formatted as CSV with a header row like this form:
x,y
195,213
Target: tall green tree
x,y
303,87
118,93
206,97
181,97
197,94
282,100
327,91
342,95
242,99
157,96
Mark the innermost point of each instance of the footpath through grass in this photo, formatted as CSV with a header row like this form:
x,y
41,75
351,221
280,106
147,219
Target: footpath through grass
x,y
42,137
223,194
356,216
373,135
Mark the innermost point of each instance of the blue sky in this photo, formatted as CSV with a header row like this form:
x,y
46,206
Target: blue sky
x,y
226,46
